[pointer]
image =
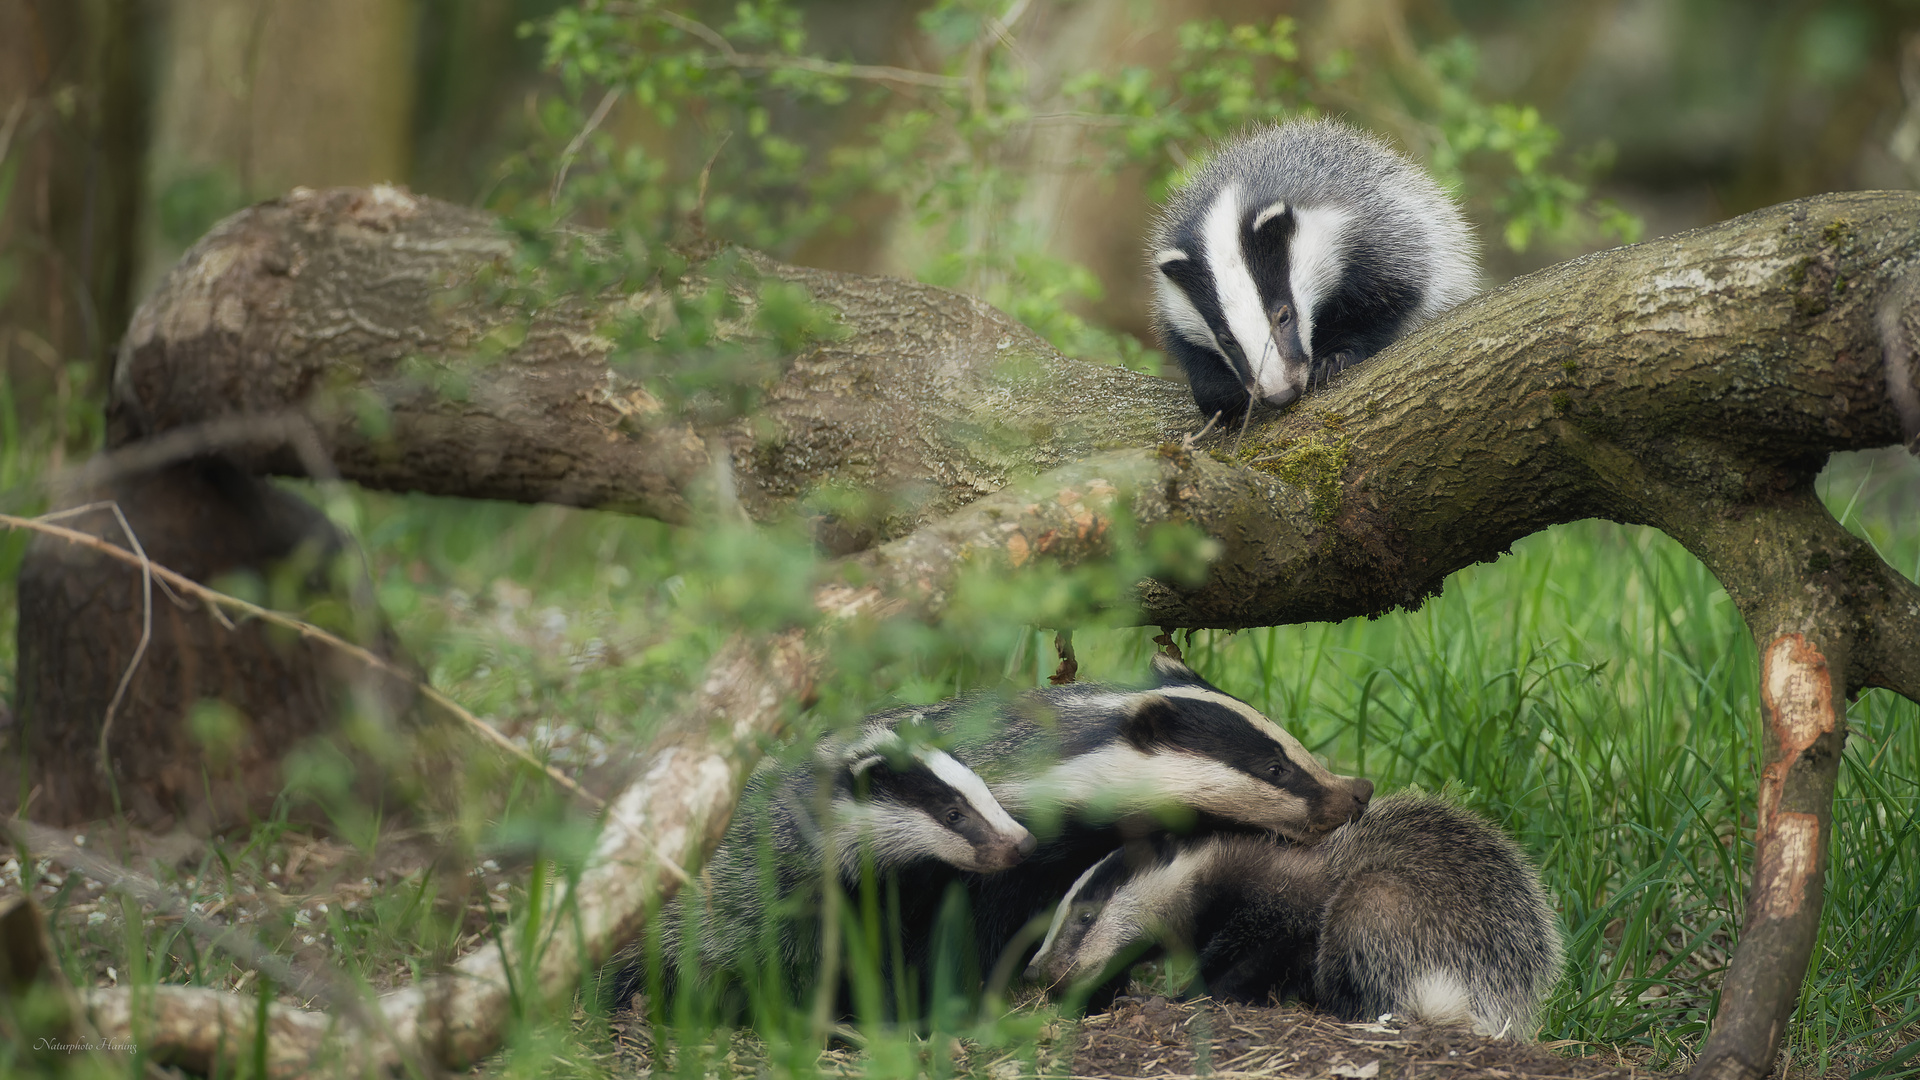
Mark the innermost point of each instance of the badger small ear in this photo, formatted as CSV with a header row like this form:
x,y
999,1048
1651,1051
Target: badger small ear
x,y
1181,269
1170,672
867,764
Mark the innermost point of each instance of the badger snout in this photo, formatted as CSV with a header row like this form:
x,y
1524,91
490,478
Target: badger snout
x,y
1010,852
1048,971
1342,799
1362,792
1282,396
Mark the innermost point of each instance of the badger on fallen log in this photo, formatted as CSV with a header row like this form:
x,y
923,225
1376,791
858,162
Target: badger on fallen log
x,y
1416,908
1297,251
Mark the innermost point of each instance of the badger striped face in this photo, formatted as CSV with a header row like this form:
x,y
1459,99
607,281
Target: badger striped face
x,y
1112,914
1246,282
901,806
1188,744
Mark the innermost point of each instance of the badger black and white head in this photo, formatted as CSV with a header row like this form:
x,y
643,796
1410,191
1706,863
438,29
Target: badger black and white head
x,y
1417,908
1246,906
885,799
1181,744
1086,943
899,801
1296,251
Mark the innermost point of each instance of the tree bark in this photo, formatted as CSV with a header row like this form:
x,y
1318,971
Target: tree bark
x,y
933,398
73,131
1695,384
111,669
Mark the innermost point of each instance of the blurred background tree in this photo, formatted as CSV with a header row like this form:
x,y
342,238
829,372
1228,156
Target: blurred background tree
x,y
129,126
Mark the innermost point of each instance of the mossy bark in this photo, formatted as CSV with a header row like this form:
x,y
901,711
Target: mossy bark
x,y
1695,383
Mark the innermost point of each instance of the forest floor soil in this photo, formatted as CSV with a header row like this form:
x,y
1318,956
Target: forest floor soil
x,y
1155,1038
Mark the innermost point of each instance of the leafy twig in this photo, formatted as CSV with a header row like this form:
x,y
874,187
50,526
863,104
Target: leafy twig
x,y
872,72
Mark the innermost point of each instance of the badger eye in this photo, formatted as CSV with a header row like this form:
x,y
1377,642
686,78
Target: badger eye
x,y
1276,769
1283,316
954,816
1086,917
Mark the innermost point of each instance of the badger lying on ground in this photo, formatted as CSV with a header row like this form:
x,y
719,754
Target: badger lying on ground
x,y
886,800
1416,908
1087,766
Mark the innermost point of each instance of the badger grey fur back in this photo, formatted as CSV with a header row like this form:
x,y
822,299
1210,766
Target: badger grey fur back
x,y
1298,250
1417,908
877,800
1435,911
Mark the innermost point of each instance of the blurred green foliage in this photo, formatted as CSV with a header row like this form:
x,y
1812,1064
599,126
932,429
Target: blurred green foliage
x,y
950,144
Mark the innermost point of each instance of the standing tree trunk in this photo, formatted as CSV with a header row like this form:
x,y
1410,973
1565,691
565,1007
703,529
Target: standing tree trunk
x,y
73,129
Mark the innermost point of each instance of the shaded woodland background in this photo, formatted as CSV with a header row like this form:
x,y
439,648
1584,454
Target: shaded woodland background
x,y
129,126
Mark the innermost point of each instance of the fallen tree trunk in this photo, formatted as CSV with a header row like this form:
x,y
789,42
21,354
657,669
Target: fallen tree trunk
x,y
1695,384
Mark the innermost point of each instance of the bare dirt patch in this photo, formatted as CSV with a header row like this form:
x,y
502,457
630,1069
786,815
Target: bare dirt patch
x,y
1156,1037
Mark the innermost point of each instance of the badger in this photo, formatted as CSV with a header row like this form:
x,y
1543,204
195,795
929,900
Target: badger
x,y
886,799
1296,251
1416,908
1086,766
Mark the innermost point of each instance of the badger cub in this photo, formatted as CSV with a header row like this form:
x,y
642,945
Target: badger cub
x,y
1296,251
1417,908
1087,766
887,799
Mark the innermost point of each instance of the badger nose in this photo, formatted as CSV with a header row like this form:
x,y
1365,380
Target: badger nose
x,y
1033,972
1362,794
1026,845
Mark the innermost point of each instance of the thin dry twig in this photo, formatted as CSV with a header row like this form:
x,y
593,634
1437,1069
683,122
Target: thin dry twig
x,y
699,215
580,140
307,630
1069,668
101,760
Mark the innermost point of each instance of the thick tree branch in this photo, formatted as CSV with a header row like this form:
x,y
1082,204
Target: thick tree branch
x,y
1724,362
344,303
